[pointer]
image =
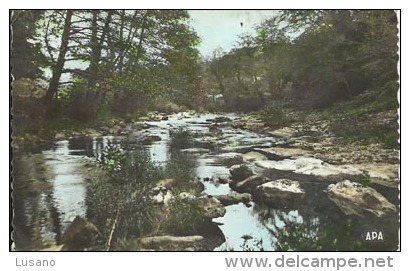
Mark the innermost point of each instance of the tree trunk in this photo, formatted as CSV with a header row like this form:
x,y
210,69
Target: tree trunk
x,y
58,68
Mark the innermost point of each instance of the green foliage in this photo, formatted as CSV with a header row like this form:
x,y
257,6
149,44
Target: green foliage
x,y
129,57
313,58
275,117
180,167
313,237
26,58
180,139
252,244
366,180
183,217
122,198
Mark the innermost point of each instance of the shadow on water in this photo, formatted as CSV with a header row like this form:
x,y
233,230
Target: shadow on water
x,y
49,191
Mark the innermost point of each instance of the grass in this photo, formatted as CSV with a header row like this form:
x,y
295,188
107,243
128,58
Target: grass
x,y
366,180
180,139
356,121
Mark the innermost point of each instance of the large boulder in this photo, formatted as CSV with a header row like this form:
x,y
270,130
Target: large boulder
x,y
172,243
240,172
356,199
310,166
283,193
234,198
249,184
80,235
381,173
211,207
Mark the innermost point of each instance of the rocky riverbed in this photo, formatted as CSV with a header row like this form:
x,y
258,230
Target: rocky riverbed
x,y
253,181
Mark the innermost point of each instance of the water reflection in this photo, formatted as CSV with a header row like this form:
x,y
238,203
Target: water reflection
x,y
50,189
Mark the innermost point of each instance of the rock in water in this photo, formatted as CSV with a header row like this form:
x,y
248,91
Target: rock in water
x,y
254,156
234,198
212,207
81,234
172,243
249,184
283,193
309,166
354,198
240,172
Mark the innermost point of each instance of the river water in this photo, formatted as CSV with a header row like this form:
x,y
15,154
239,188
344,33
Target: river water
x,y
49,188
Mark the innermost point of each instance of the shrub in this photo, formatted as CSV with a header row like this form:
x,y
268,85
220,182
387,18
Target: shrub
x,y
275,117
119,203
180,139
183,217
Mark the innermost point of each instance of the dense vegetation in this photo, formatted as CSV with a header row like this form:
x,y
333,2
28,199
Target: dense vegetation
x,y
81,68
96,64
312,59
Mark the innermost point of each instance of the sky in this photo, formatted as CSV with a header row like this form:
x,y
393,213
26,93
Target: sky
x,y
221,28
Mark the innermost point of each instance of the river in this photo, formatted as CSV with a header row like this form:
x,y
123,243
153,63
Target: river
x,y
49,188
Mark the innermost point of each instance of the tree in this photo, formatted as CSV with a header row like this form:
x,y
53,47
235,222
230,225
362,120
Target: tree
x,y
334,54
26,57
131,55
57,69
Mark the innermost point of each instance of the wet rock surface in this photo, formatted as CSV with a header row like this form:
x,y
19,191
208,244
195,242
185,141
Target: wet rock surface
x,y
309,166
281,193
249,184
354,198
240,172
288,168
234,198
211,207
254,156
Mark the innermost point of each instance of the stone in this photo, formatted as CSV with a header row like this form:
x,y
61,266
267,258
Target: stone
x,y
234,198
195,150
254,156
211,206
285,132
310,166
279,153
221,119
141,126
91,132
355,199
249,184
381,173
60,136
54,248
282,192
149,139
161,195
81,234
172,243
229,159
114,130
240,172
